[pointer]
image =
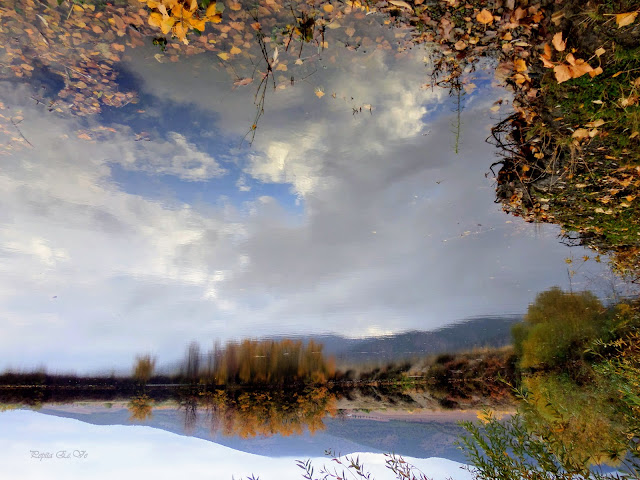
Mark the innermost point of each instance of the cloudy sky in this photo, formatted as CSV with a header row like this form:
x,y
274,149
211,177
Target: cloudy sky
x,y
154,225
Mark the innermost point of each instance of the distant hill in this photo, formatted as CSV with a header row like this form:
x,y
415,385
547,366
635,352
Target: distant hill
x,y
464,335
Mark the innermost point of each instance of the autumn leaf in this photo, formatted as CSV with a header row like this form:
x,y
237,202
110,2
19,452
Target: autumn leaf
x,y
624,19
235,50
546,62
580,133
562,72
328,8
558,43
595,123
595,71
400,3
485,17
460,45
580,68
520,64
235,6
242,82
319,92
223,55
599,52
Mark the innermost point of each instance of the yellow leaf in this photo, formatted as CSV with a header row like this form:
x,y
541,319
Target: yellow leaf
x,y
484,17
299,61
167,24
163,10
634,134
78,8
282,67
155,19
624,19
235,50
328,8
224,55
600,51
562,73
521,65
558,43
211,9
215,18
179,31
319,92
198,24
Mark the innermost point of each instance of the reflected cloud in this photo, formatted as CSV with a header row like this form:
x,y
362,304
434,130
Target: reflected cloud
x,y
383,228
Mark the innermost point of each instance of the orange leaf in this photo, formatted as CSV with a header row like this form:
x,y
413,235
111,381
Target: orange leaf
x,y
546,62
521,65
595,71
485,17
563,73
558,43
624,19
580,69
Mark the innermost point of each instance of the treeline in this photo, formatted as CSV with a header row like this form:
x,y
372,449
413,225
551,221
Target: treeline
x,y
252,362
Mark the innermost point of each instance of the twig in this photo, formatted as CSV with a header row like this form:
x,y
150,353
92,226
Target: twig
x,y
21,134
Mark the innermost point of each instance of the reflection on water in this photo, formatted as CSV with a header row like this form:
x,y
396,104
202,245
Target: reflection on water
x,y
193,169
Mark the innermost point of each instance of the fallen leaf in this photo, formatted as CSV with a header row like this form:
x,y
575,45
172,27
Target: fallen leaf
x,y
400,3
600,51
521,65
460,45
485,17
299,61
328,8
235,50
594,72
580,133
224,55
624,19
546,62
235,6
562,72
319,93
634,134
558,43
580,69
595,123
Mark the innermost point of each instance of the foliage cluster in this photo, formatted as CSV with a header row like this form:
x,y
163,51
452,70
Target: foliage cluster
x,y
259,362
250,413
579,362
